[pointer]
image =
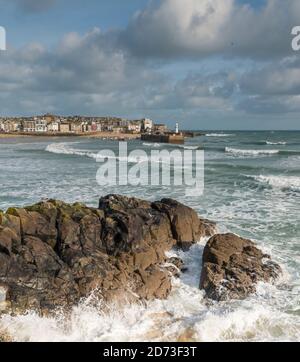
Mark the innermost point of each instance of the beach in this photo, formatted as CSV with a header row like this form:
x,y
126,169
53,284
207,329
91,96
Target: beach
x,y
101,135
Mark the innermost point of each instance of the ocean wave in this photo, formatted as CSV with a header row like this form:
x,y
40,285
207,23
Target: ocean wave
x,y
264,143
152,144
186,147
282,143
291,183
219,135
64,149
166,145
242,152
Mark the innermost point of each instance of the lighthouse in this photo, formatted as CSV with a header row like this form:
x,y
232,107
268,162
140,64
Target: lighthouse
x,y
177,128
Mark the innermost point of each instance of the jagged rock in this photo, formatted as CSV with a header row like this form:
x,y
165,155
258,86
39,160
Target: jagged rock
x,y
207,227
52,253
186,226
176,266
232,266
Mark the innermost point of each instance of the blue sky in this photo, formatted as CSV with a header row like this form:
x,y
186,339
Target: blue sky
x,y
48,25
213,64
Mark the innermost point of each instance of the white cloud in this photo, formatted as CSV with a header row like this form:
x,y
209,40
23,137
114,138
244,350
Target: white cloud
x,y
99,72
176,28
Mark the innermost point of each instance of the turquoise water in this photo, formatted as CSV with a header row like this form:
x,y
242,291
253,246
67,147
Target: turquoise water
x,y
252,188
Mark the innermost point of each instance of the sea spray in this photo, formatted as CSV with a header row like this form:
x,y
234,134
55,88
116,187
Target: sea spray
x,y
184,313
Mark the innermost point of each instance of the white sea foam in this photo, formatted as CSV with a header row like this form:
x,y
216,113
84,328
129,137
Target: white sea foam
x,y
186,147
185,315
65,149
152,145
276,143
219,135
282,182
157,145
242,152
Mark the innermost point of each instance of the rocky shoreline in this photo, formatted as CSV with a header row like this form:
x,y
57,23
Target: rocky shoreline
x,y
53,254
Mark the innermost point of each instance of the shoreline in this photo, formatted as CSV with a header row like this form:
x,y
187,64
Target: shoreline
x,y
100,135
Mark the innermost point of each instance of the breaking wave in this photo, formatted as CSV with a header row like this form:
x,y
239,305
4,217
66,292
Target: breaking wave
x,y
254,152
166,145
184,317
282,143
240,152
291,183
219,135
64,149
156,145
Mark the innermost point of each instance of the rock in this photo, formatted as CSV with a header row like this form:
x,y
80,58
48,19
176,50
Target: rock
x,y
232,266
209,228
10,233
52,254
176,266
186,226
38,220
177,262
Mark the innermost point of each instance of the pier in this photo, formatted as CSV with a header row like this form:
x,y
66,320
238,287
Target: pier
x,y
164,138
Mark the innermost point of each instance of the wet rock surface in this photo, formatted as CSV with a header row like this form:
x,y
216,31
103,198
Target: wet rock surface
x,y
232,267
52,254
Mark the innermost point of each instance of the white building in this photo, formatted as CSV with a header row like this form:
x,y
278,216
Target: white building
x,y
41,125
147,125
134,127
53,127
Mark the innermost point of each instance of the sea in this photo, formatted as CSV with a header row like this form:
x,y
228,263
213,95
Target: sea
x,y
252,188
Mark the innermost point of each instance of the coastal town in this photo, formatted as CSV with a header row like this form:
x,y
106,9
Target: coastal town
x,y
49,124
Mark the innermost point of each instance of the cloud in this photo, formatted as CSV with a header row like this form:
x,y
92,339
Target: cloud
x,y
133,72
273,88
278,78
197,28
82,74
91,74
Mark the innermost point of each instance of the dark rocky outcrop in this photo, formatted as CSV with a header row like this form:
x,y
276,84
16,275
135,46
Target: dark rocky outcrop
x,y
232,266
52,253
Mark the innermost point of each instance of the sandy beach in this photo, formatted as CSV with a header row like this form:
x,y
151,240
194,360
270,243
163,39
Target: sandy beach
x,y
100,135
111,135
11,135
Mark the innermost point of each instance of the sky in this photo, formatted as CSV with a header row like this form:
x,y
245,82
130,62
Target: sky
x,y
207,64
